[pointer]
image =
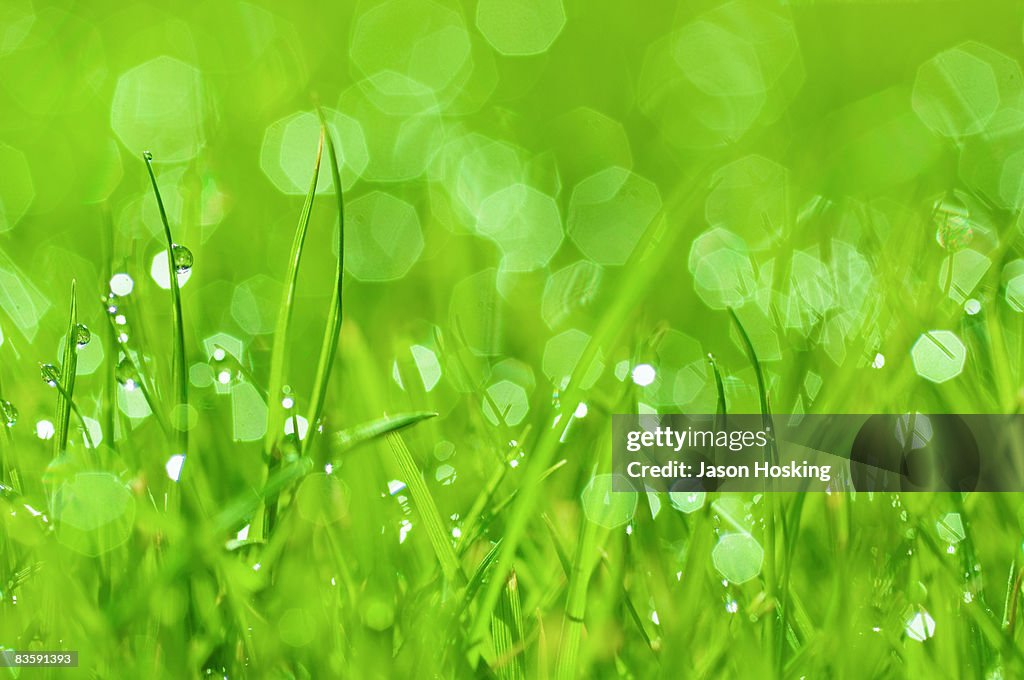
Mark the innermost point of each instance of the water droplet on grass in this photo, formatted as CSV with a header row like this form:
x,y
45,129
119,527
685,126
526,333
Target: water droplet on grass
x,y
9,413
50,374
182,258
920,626
82,335
126,374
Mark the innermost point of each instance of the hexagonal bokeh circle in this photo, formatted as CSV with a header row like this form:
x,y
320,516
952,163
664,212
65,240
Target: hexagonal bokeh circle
x,y
420,39
383,237
289,147
254,304
160,106
17,190
738,557
520,27
938,356
958,91
524,223
609,212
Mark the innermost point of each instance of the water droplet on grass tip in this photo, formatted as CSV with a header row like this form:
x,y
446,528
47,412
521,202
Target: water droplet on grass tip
x,y
182,258
148,155
9,413
82,335
50,374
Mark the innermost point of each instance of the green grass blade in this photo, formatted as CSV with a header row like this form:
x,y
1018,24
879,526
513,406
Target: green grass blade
x,y
68,370
352,437
507,632
179,368
646,262
426,508
329,345
278,353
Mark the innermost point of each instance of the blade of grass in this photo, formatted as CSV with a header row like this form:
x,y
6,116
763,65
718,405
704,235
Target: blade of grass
x,y
264,518
645,264
427,509
329,345
179,369
507,632
68,369
352,437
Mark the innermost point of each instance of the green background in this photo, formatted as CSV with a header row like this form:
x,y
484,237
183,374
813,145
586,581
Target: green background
x,y
526,182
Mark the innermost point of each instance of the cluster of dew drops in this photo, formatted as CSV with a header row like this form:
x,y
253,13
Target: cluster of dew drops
x,y
121,285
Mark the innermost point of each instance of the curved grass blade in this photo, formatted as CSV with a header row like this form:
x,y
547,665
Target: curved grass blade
x,y
329,345
360,434
68,369
278,358
179,370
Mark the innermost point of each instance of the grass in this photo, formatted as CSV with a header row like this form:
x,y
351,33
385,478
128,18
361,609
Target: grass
x,y
289,577
175,524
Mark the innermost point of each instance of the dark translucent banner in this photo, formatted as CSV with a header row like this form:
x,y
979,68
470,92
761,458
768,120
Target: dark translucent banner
x,y
746,452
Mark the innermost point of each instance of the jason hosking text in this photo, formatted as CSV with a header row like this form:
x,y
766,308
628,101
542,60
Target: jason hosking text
x,y
688,453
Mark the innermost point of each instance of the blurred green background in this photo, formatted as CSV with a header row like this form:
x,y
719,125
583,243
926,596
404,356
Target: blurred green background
x,y
534,189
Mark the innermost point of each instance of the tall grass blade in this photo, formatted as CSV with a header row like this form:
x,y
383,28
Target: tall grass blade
x,y
507,632
278,353
68,370
329,345
179,368
427,509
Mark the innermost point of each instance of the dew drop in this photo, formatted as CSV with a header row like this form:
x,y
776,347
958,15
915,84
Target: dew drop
x,y
50,374
148,155
82,335
126,374
9,413
182,257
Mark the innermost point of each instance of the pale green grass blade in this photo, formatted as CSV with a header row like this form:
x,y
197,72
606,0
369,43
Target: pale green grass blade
x,y
426,508
507,632
352,437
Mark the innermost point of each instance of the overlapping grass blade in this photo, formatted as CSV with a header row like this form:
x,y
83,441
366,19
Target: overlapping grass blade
x,y
66,382
426,508
278,353
329,345
645,264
